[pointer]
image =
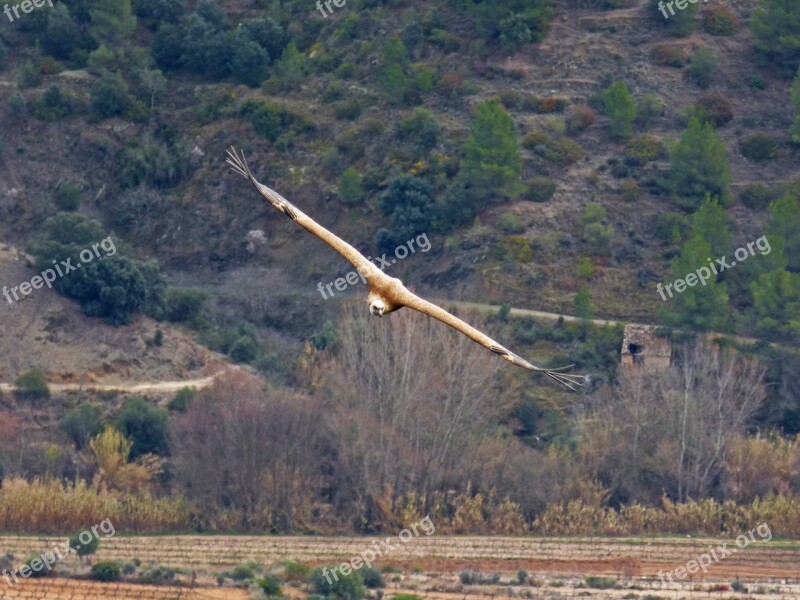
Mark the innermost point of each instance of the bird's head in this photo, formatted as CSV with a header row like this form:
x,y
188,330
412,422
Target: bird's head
x,y
377,308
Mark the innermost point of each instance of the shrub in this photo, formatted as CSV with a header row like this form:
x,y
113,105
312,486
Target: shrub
x,y
106,570
560,151
702,67
620,108
184,306
720,20
180,401
68,195
522,576
510,223
82,424
371,577
669,55
539,189
245,571
579,119
295,571
756,197
643,149
270,585
514,248
408,201
347,110
671,227
52,105
759,147
422,128
649,109
84,549
342,587
30,75
273,120
600,583
714,109
478,578
147,427
350,188
32,386
109,97
597,232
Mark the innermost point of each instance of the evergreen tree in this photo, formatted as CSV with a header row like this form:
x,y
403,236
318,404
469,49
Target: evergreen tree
x,y
702,307
621,109
62,34
292,66
699,167
796,103
776,305
113,21
711,223
393,75
776,26
783,227
679,23
350,189
492,159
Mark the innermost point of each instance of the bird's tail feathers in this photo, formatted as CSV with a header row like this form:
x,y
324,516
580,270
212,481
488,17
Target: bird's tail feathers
x,y
239,164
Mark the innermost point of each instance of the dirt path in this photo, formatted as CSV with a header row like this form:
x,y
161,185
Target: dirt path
x,y
131,388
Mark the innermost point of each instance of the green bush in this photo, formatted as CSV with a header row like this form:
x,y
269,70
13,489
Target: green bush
x,y
620,108
559,151
273,120
181,400
539,189
372,577
649,109
408,202
270,585
671,227
153,162
68,195
183,306
106,570
510,222
341,587
347,110
600,583
759,147
702,67
83,549
679,24
82,424
669,55
52,105
295,571
597,232
422,128
350,189
109,97
643,149
756,196
37,567
32,386
514,248
243,572
147,427
30,75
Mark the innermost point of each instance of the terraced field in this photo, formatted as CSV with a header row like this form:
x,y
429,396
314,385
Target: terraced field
x,y
429,566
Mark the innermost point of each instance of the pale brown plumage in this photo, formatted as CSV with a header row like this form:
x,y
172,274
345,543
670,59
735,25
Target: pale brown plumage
x,y
387,294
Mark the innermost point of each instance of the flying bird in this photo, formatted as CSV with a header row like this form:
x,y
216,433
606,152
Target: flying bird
x,y
388,294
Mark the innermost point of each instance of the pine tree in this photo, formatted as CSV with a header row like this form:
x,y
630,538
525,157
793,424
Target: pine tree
x,y
711,223
492,159
113,22
702,307
393,76
699,167
796,103
621,109
776,26
783,227
776,305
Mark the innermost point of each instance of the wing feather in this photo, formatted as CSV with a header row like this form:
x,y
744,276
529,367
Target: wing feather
x,y
411,300
354,257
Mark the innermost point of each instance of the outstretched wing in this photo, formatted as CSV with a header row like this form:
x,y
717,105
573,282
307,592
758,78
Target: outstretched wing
x,y
354,257
411,300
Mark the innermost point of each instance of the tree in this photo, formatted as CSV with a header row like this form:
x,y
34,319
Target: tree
x,y
82,424
776,305
393,75
109,96
776,26
32,386
702,307
492,161
699,167
350,189
422,128
113,22
292,66
248,61
62,34
711,223
110,453
145,425
796,103
702,67
161,11
408,202
597,231
782,228
621,109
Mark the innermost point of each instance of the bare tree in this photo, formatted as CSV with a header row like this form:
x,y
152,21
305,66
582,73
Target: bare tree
x,y
409,401
670,430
